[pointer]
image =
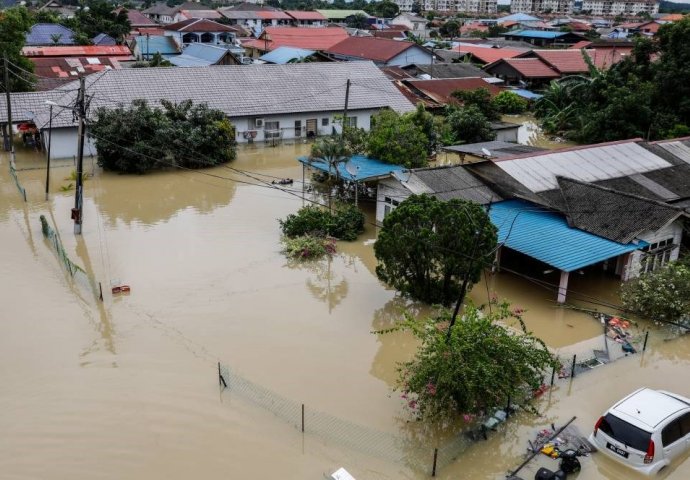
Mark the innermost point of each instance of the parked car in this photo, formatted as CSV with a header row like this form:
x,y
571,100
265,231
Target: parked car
x,y
645,431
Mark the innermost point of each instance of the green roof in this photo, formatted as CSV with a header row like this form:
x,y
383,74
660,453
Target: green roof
x,y
341,14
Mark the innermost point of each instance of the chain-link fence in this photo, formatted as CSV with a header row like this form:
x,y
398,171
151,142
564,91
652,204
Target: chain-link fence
x,y
13,173
54,239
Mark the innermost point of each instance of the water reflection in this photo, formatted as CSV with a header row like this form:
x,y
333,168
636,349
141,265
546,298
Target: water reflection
x,y
324,283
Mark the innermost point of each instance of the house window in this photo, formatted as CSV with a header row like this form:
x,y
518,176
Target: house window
x,y
351,122
324,122
656,255
389,205
272,129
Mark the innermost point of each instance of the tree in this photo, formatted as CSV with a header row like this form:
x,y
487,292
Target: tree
x,y
139,138
468,125
15,23
357,21
663,294
509,102
479,98
480,369
396,139
450,29
332,151
427,246
97,16
384,9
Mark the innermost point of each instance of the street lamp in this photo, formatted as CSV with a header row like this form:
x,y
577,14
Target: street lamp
x,y
50,142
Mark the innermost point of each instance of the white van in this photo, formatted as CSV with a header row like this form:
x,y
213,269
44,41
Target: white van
x,y
646,430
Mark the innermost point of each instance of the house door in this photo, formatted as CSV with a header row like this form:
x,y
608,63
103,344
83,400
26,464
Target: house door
x,y
298,128
312,127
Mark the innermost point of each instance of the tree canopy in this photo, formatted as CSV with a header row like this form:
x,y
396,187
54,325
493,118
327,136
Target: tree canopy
x,y
139,138
480,368
99,17
15,23
395,138
426,246
467,125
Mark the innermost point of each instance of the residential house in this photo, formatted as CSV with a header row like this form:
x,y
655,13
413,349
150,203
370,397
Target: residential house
x,y
413,23
317,39
24,105
136,19
209,14
256,20
484,55
204,55
543,38
445,70
283,55
382,51
57,8
144,47
492,150
46,34
160,13
264,102
55,66
436,94
202,30
530,72
620,7
306,19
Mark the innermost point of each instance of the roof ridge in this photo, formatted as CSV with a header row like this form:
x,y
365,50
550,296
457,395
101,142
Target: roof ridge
x,y
571,149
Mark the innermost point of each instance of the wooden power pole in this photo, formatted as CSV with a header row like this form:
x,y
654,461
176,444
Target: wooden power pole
x,y
79,193
10,144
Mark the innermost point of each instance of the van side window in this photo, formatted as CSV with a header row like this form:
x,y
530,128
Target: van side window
x,y
671,432
685,425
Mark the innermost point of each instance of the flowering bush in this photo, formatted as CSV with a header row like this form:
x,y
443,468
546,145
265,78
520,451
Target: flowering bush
x,y
308,247
477,369
663,294
345,223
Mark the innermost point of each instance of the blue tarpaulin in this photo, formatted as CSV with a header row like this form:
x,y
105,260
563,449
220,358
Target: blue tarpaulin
x,y
547,237
367,168
526,94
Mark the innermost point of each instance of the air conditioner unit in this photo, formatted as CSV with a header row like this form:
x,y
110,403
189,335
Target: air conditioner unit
x,y
259,122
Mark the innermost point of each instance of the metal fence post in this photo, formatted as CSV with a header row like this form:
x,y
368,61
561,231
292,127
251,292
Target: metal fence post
x,y
572,370
646,337
302,418
553,375
433,468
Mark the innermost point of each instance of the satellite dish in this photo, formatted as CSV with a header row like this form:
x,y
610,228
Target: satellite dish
x,y
486,152
352,169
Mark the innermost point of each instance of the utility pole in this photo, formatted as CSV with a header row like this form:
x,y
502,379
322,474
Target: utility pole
x,y
347,101
79,193
50,144
10,144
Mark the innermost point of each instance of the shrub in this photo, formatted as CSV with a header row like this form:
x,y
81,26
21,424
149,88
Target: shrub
x,y
396,139
509,102
345,223
308,247
663,294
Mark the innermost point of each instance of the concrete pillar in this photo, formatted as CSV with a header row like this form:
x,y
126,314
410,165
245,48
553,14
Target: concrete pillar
x,y
563,287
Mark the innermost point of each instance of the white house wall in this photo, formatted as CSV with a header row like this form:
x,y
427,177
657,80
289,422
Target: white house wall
x,y
673,230
413,55
64,142
391,188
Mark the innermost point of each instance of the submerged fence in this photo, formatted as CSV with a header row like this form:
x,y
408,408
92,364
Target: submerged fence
x,y
13,173
54,239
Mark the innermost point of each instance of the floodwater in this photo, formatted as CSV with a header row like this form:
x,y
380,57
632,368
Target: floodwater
x,y
128,388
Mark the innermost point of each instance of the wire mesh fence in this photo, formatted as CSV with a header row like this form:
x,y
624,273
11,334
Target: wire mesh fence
x,y
54,239
13,173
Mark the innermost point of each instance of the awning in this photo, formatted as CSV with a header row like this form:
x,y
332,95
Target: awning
x,y
546,236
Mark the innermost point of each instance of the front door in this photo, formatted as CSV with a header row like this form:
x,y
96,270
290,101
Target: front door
x,y
312,127
298,128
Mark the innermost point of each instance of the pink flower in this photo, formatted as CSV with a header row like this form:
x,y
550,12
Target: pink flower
x,y
431,389
412,404
517,311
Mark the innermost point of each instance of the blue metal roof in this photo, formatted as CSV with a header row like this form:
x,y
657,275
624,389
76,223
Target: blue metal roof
x,y
367,168
283,55
156,43
42,33
546,236
526,94
535,34
198,55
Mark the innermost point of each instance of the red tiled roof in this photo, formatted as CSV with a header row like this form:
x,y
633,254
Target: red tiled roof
x,y
199,25
580,26
572,61
531,68
136,18
390,34
440,90
370,48
299,15
488,55
77,51
54,71
307,37
272,15
580,44
210,14
672,17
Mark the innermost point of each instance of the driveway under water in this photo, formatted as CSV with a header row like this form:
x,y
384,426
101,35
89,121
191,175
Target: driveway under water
x,y
128,388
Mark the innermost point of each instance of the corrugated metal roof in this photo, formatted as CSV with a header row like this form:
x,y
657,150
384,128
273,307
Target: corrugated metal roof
x,y
536,34
678,148
283,55
495,148
596,162
367,168
546,236
245,90
41,34
198,55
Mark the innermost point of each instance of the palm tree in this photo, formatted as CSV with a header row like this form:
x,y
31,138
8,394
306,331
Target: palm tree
x,y
333,152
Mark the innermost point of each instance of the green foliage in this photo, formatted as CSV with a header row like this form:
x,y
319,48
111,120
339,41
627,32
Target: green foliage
x,y
450,29
396,139
478,370
99,17
308,247
384,9
357,21
355,140
467,125
15,23
140,138
332,151
509,102
663,294
157,60
345,223
479,98
426,247
425,122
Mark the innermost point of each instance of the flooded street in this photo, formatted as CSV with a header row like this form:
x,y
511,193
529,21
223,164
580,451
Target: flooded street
x,y
128,388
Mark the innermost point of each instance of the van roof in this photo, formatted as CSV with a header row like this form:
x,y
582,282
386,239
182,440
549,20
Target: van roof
x,y
648,408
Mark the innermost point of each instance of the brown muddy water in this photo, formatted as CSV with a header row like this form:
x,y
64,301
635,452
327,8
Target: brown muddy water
x,y
128,389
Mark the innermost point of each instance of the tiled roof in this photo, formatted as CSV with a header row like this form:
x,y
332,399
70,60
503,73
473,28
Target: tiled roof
x,y
309,38
160,9
580,44
25,104
572,61
300,15
78,51
440,90
487,54
370,48
55,71
451,70
449,182
210,14
531,68
136,18
273,15
41,34
246,90
199,25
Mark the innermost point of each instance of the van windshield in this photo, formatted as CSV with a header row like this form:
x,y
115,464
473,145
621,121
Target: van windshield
x,y
625,433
